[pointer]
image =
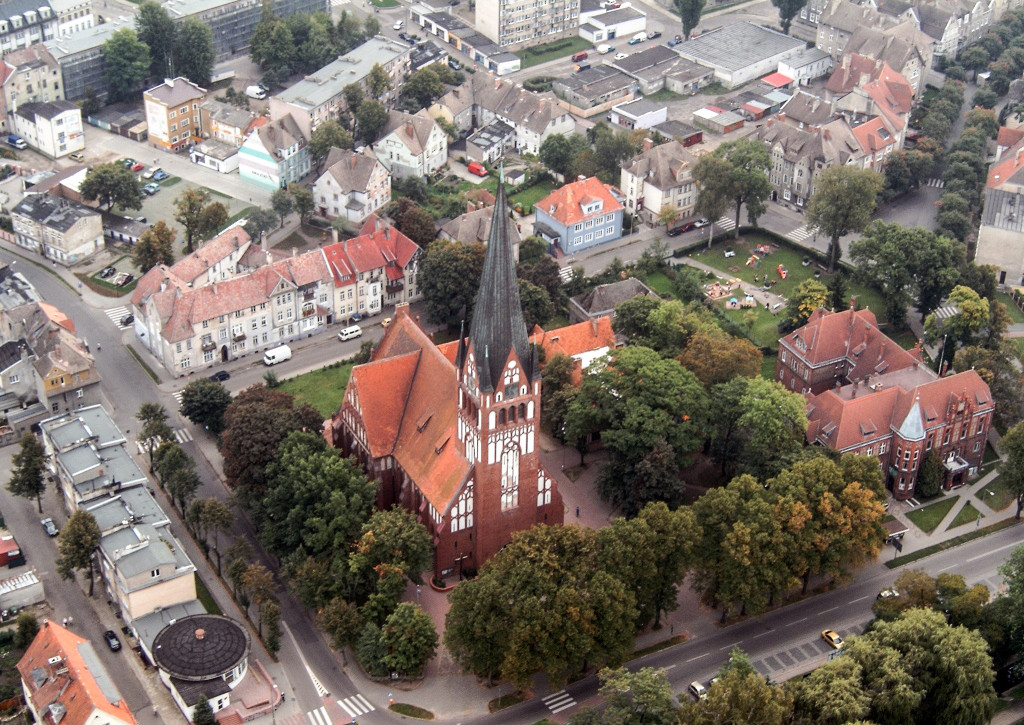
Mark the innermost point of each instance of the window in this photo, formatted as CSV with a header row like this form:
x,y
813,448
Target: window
x,y
15,378
510,477
186,363
208,356
588,237
154,573
882,447
177,348
81,394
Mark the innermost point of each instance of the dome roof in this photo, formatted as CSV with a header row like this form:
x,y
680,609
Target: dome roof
x,y
200,647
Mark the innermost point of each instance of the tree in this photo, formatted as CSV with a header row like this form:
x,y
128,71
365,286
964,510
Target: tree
x,y
741,695
90,103
842,202
983,119
275,48
930,476
157,30
204,402
391,539
258,584
28,477
1012,571
156,246
536,304
303,200
169,458
194,54
449,282
748,177
126,64
809,296
417,224
1012,467
541,604
319,48
371,26
326,136
202,714
340,620
830,695
154,427
315,502
717,357
974,58
410,640
632,698
648,410
378,82
985,98
961,328
788,9
198,217
712,176
255,423
997,368
556,153
423,87
182,484
282,203
76,544
371,117
259,222
28,628
111,184
667,539
690,12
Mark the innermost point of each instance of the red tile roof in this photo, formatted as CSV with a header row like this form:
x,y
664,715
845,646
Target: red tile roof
x,y
892,94
874,135
216,250
1002,171
69,682
1009,136
777,80
578,339
564,204
850,73
378,245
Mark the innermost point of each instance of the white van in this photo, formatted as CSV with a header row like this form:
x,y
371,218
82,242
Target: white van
x,y
640,37
604,49
350,332
256,92
277,354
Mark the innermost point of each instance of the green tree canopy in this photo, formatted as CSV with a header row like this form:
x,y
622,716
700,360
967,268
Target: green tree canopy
x,y
409,639
156,246
371,117
157,30
1012,467
689,12
748,182
449,282
326,136
28,476
843,200
788,9
194,54
76,544
198,216
111,184
126,64
632,698
204,402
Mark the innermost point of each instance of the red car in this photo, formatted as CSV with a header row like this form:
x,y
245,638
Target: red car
x,y
138,167
475,168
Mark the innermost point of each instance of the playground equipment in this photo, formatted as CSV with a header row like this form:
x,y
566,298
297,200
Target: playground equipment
x,y
754,261
782,271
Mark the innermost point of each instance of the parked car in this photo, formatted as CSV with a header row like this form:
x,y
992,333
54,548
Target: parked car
x,y
385,322
141,219
110,637
621,56
887,594
405,36
150,172
127,163
16,141
577,57
77,156
257,92
655,34
698,691
683,227
832,638
49,527
108,272
476,168
220,376
150,189
454,64
675,41
604,48
398,25
127,320
138,167
160,175
125,280
701,223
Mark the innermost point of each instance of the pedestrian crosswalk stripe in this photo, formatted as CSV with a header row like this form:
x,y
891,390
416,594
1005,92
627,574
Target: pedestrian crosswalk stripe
x,y
318,717
177,396
565,273
182,435
116,314
558,701
356,705
937,183
725,224
800,233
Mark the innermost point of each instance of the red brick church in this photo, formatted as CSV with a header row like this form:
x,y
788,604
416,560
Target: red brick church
x,y
450,432
867,395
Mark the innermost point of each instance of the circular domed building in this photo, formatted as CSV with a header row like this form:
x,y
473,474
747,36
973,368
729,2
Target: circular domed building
x,y
202,654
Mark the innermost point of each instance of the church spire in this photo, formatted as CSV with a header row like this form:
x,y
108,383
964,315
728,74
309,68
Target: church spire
x,y
498,326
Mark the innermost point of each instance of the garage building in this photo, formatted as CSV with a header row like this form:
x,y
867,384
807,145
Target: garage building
x,y
741,52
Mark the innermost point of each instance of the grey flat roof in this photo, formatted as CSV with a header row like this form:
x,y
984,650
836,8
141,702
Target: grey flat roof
x,y
118,468
131,505
318,88
639,107
148,626
82,40
596,81
101,425
1003,210
737,46
122,546
619,15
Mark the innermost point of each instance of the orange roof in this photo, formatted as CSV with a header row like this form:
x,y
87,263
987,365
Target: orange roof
x,y
1009,136
69,682
577,339
874,135
57,317
1002,171
777,80
850,74
892,94
408,402
565,204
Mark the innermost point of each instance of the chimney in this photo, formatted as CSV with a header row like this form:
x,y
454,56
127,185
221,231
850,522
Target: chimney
x,y
213,287
648,144
295,251
581,177
334,234
470,207
593,326
853,392
409,130
352,161
200,634
169,82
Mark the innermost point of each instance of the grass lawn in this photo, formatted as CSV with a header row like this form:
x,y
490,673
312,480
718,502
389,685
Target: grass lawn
x,y
552,51
385,3
324,389
967,515
714,89
172,180
788,258
556,322
928,517
204,596
768,365
659,283
904,338
1015,314
529,197
765,330
404,708
663,95
996,494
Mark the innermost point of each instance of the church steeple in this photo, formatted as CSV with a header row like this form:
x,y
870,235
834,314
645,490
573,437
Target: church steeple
x,y
498,325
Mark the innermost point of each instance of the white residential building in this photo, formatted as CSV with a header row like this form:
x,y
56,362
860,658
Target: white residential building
x,y
518,23
659,177
353,186
53,128
412,145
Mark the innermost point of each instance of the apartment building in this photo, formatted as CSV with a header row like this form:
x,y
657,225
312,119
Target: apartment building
x,y
516,24
24,23
172,113
225,122
28,75
411,145
353,186
580,215
61,230
799,155
275,155
80,59
659,177
73,16
53,128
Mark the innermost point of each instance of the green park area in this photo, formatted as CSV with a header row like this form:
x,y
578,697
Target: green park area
x,y
996,494
928,517
967,515
537,54
324,389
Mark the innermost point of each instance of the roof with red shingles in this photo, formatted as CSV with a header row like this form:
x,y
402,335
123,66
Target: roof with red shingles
x,y
850,74
1003,171
893,95
1009,136
568,201
71,683
874,135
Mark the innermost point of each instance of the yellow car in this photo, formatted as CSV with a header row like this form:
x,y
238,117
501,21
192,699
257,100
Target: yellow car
x,y
385,322
832,638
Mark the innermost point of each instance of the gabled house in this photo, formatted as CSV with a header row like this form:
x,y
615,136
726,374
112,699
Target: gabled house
x,y
411,145
60,230
601,301
868,396
475,227
840,19
580,215
353,186
27,75
1001,234
64,681
798,155
583,342
54,128
172,113
659,177
276,155
225,122
897,49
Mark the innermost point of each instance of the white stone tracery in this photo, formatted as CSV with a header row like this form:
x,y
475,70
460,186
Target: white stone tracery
x,y
510,477
462,512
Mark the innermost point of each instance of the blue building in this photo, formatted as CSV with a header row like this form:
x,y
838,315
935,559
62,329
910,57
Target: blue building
x,y
580,215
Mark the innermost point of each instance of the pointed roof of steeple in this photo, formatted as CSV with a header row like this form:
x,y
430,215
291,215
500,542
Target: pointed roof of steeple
x,y
498,325
912,428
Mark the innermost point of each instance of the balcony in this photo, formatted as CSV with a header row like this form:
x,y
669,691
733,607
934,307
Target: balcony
x,y
395,286
238,336
209,345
